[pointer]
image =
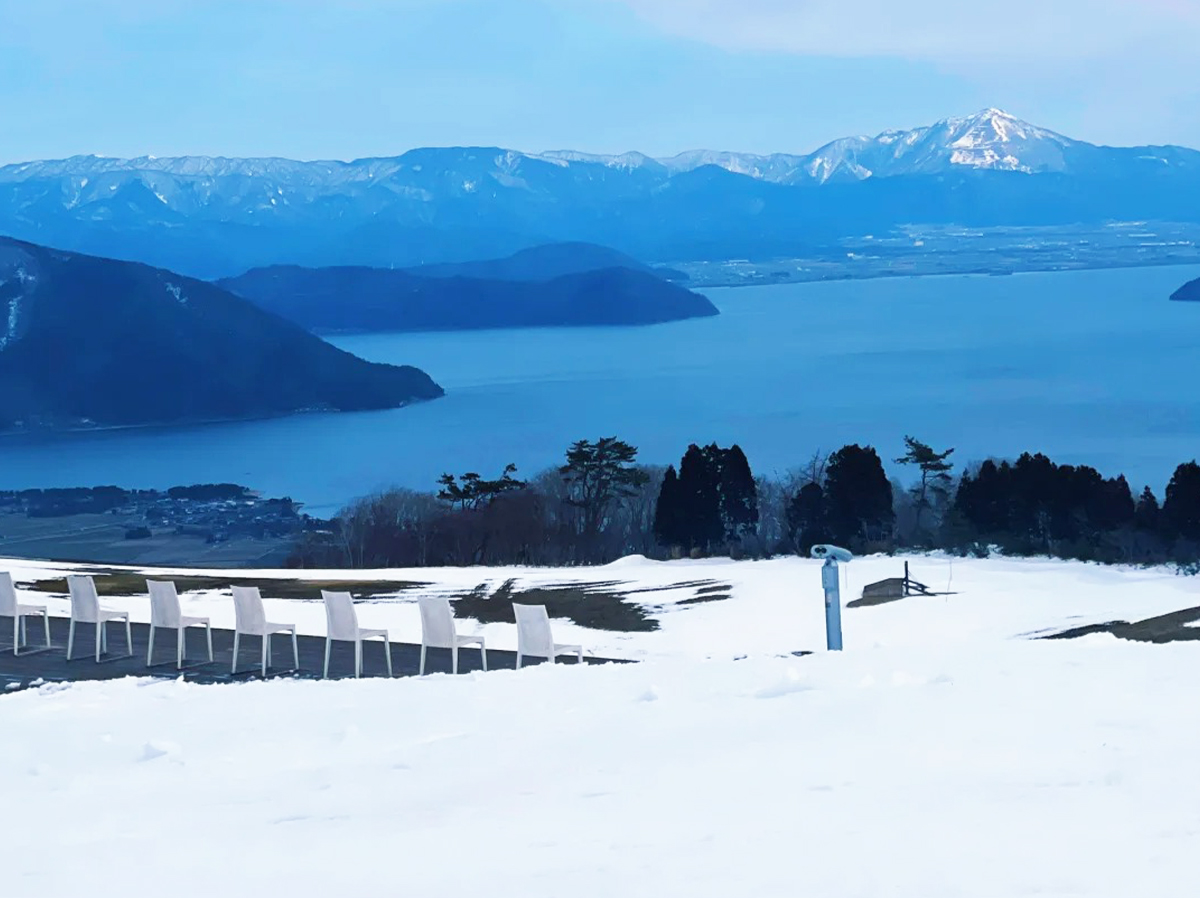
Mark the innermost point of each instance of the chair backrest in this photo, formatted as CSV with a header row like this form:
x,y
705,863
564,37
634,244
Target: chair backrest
x,y
85,604
437,622
249,616
164,603
341,621
533,630
8,595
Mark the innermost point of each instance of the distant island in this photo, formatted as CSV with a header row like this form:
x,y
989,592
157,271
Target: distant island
x,y
561,285
1189,292
92,342
545,263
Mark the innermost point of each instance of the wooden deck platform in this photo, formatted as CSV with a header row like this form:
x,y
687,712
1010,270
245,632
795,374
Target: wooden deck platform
x,y
36,665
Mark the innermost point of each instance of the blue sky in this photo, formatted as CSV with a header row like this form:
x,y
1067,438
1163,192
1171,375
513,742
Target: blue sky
x,y
351,78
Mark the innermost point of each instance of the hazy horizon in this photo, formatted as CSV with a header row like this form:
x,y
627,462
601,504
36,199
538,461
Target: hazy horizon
x,y
372,78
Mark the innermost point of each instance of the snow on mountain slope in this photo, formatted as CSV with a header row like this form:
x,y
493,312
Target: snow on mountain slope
x,y
940,755
991,139
627,161
233,189
776,167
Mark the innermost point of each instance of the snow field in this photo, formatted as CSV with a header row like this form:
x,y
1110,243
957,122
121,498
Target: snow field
x,y
943,754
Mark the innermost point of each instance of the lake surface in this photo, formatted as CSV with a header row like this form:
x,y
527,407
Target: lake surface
x,y
1092,367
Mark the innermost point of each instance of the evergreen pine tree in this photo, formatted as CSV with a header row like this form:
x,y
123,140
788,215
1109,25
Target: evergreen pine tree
x,y
1181,510
935,474
1146,517
599,476
700,490
806,518
670,523
739,495
858,496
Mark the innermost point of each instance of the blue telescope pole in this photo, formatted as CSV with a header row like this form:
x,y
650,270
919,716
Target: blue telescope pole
x,y
833,605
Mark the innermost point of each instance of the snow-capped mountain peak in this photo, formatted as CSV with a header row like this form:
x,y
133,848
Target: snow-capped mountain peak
x,y
991,139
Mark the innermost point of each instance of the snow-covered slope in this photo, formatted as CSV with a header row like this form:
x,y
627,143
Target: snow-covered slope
x,y
942,754
776,606
991,139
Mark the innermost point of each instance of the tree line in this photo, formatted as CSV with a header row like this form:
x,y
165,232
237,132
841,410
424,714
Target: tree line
x,y
601,504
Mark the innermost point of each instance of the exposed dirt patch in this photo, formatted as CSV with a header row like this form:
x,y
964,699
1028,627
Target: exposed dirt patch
x,y
1173,627
698,585
592,605
600,606
125,583
872,601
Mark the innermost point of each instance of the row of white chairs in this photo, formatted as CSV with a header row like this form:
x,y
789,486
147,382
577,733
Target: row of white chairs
x,y
534,636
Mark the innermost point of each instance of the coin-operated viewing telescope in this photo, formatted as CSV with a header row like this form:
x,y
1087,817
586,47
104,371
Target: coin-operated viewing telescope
x,y
833,594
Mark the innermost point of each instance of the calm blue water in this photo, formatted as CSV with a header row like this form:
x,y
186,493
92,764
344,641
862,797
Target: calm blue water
x,y
1095,367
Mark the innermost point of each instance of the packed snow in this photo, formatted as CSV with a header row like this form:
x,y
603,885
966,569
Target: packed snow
x,y
944,753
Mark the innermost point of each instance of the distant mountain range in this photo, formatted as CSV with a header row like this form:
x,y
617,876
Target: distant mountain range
x,y
93,342
991,140
217,217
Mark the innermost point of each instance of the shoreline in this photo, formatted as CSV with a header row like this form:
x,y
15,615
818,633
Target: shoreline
x,y
52,432
733,283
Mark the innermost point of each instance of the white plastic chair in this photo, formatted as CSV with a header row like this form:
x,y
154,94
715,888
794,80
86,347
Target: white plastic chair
x,y
342,625
166,614
251,620
534,637
85,609
10,607
437,631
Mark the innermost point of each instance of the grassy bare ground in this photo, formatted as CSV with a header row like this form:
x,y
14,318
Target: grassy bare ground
x,y
603,605
125,583
598,606
1173,627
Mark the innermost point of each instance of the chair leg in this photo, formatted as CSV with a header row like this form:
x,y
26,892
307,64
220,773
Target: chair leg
x,y
233,667
357,658
518,660
150,650
100,642
208,631
483,655
266,652
16,634
70,638
179,645
24,630
454,659
295,652
387,654
328,648
46,625
581,656
421,670
128,638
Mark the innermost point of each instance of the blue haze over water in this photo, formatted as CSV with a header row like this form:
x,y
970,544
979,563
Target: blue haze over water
x,y
1093,367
